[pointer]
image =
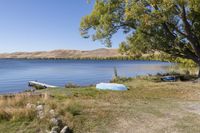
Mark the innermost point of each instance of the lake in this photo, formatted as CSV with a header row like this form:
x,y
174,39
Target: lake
x,y
15,74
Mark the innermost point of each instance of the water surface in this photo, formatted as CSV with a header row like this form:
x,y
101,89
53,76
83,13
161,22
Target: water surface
x,y
14,74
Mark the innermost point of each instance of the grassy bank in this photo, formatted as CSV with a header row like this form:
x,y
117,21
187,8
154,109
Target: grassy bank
x,y
148,106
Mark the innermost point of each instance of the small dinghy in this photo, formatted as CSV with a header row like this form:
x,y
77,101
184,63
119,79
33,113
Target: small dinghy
x,y
111,86
169,78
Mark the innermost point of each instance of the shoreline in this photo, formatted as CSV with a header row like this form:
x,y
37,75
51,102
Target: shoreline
x,y
87,59
158,76
184,62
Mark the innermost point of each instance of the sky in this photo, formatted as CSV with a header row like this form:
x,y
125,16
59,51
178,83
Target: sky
x,y
37,25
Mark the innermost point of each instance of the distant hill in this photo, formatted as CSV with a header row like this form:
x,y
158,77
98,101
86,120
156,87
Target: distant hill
x,y
64,54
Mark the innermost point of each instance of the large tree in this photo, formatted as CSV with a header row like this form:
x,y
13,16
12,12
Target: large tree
x,y
170,26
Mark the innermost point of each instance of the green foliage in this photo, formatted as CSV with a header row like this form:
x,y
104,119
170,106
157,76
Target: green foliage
x,y
170,26
39,87
71,85
120,80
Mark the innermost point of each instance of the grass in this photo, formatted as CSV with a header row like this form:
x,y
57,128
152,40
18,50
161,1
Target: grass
x,y
148,106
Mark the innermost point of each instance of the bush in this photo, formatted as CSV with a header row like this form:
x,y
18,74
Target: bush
x,y
74,109
5,115
120,80
71,85
37,87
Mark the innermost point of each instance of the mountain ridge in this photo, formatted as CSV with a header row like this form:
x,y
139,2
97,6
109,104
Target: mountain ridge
x,y
64,54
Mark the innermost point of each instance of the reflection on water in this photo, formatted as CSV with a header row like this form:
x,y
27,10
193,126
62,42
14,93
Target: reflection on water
x,y
16,73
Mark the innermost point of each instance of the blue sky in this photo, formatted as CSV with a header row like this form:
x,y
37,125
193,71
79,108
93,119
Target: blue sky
x,y
35,25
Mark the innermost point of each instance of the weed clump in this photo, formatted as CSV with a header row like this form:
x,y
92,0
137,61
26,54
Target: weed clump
x,y
75,109
71,85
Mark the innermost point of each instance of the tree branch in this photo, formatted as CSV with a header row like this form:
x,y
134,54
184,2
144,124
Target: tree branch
x,y
190,36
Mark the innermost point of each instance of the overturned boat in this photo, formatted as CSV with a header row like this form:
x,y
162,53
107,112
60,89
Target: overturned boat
x,y
111,86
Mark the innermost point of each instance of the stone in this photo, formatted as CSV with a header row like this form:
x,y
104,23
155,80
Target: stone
x,y
65,130
40,114
40,108
30,106
55,129
52,113
53,132
56,122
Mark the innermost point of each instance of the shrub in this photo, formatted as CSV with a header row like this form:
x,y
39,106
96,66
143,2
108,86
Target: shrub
x,y
71,85
120,79
39,87
74,109
4,115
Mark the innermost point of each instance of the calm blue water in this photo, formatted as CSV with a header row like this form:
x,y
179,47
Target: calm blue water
x,y
14,74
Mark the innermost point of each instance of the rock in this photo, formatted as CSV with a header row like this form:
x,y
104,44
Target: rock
x,y
65,130
40,108
40,111
56,122
41,114
55,129
52,113
30,106
53,132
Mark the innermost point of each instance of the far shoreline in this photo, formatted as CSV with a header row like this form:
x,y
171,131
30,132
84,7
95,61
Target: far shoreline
x,y
96,59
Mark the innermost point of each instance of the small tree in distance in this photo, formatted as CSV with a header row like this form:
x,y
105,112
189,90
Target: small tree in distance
x,y
170,26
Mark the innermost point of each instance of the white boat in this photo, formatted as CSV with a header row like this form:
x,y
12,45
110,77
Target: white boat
x,y
111,86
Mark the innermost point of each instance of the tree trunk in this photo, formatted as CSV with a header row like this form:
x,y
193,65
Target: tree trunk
x,y
199,71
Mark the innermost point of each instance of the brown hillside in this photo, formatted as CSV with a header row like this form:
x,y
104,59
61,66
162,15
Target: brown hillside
x,y
99,53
